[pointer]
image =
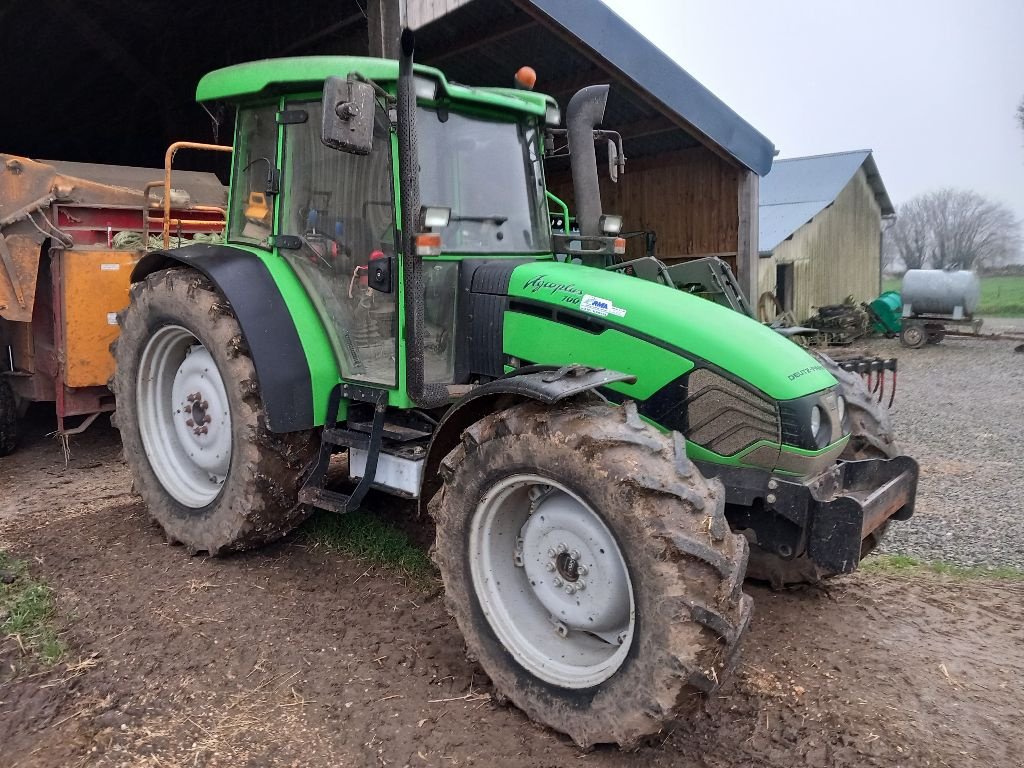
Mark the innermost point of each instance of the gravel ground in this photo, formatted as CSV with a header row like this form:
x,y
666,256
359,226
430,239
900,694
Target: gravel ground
x,y
959,411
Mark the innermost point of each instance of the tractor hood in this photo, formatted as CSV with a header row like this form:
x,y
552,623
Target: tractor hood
x,y
668,317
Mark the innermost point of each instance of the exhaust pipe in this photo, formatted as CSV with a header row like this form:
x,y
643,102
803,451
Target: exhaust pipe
x,y
424,395
586,110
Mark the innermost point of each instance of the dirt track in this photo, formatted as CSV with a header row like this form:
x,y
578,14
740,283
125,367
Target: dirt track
x,y
294,656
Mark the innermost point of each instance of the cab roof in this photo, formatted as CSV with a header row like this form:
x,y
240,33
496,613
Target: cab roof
x,y
304,73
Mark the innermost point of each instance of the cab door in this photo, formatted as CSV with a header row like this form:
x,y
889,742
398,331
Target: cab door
x,y
337,216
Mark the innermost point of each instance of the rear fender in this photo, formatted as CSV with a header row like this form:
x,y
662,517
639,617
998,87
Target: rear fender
x,y
281,366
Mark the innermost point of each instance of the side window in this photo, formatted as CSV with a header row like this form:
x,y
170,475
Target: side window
x,y
340,209
255,156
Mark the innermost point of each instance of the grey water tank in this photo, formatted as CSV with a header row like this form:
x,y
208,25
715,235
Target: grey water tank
x,y
937,292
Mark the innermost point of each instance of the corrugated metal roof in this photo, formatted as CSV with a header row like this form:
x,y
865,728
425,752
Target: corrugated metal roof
x,y
798,188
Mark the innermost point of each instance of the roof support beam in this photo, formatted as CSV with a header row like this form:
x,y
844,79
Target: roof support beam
x,y
480,42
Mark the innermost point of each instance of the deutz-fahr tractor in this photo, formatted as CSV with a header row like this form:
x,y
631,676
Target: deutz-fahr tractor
x,y
599,452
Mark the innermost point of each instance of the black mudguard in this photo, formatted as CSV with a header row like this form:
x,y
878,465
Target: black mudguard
x,y
545,384
284,378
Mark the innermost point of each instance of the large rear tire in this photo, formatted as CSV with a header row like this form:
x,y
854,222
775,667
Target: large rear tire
x,y
871,437
538,500
192,421
8,418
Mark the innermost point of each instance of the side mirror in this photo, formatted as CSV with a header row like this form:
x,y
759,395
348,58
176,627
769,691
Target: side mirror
x,y
348,108
613,161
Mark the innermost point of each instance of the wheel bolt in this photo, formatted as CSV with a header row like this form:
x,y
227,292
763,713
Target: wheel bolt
x,y
551,552
550,566
562,548
570,589
581,585
191,398
203,430
187,409
204,405
557,582
583,570
575,555
190,423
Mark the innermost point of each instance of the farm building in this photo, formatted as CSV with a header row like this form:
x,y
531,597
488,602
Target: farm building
x,y
821,230
694,165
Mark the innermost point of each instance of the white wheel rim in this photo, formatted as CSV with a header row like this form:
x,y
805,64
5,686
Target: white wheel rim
x,y
524,536
184,416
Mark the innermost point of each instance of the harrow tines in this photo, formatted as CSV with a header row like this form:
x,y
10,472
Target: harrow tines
x,y
881,385
892,392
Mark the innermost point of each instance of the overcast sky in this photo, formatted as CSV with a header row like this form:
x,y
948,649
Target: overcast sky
x,y
930,85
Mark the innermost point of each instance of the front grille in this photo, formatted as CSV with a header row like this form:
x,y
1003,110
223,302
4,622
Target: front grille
x,y
726,418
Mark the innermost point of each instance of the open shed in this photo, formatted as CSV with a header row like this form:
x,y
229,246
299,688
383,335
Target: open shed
x,y
86,92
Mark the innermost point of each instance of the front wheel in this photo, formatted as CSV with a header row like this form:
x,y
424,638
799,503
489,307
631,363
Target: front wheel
x,y
192,422
590,567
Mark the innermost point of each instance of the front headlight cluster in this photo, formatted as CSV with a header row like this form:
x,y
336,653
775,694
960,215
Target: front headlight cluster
x,y
814,421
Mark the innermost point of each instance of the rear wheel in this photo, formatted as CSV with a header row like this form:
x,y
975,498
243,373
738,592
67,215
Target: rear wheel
x,y
8,418
871,437
936,333
192,422
590,567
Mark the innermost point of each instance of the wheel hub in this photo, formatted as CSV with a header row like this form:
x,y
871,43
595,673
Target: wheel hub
x,y
184,416
574,567
552,581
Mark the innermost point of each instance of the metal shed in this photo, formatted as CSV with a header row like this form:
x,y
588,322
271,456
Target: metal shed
x,y
694,164
821,230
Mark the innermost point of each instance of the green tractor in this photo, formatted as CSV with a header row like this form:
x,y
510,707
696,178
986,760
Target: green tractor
x,y
600,452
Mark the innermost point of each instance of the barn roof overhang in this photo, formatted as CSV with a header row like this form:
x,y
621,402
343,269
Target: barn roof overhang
x,y
655,104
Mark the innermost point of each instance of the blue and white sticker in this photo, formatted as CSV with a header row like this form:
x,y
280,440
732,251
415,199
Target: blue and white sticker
x,y
595,305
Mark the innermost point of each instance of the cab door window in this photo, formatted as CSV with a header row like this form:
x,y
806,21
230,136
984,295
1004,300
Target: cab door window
x,y
339,210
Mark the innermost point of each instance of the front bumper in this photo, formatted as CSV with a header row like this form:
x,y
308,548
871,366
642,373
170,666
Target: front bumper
x,y
827,518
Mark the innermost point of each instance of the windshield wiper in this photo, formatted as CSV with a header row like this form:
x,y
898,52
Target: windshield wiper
x,y
499,220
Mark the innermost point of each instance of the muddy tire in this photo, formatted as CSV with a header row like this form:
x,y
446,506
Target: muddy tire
x,y
8,418
537,500
871,437
212,474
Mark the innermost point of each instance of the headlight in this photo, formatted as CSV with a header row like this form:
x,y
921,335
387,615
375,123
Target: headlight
x,y
815,421
841,408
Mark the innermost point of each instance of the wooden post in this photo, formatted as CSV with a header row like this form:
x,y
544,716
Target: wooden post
x,y
383,25
747,257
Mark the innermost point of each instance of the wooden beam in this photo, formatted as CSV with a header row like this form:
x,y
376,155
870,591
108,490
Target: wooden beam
x,y
747,257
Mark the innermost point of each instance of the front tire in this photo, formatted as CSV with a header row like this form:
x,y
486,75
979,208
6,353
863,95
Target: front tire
x,y
192,422
537,500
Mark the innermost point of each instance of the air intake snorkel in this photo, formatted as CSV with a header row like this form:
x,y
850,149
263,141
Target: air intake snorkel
x,y
423,394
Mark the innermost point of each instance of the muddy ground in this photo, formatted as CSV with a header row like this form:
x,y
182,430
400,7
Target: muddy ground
x,y
299,656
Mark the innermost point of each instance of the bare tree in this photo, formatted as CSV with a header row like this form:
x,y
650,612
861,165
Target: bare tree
x,y
954,229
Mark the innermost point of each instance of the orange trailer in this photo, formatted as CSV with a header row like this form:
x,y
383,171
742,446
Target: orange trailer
x,y
70,234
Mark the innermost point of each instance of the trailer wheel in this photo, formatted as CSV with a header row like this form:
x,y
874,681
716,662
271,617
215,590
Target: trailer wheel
x,y
589,566
192,422
8,418
913,336
871,437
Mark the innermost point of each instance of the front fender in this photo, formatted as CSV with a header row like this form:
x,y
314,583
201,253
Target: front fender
x,y
548,385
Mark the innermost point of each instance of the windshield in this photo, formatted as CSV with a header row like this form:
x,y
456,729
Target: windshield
x,y
489,172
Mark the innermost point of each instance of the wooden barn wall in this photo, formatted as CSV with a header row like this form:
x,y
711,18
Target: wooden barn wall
x,y
690,198
835,255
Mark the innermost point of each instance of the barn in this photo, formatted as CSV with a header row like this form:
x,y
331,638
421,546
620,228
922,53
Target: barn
x,y
820,230
88,93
